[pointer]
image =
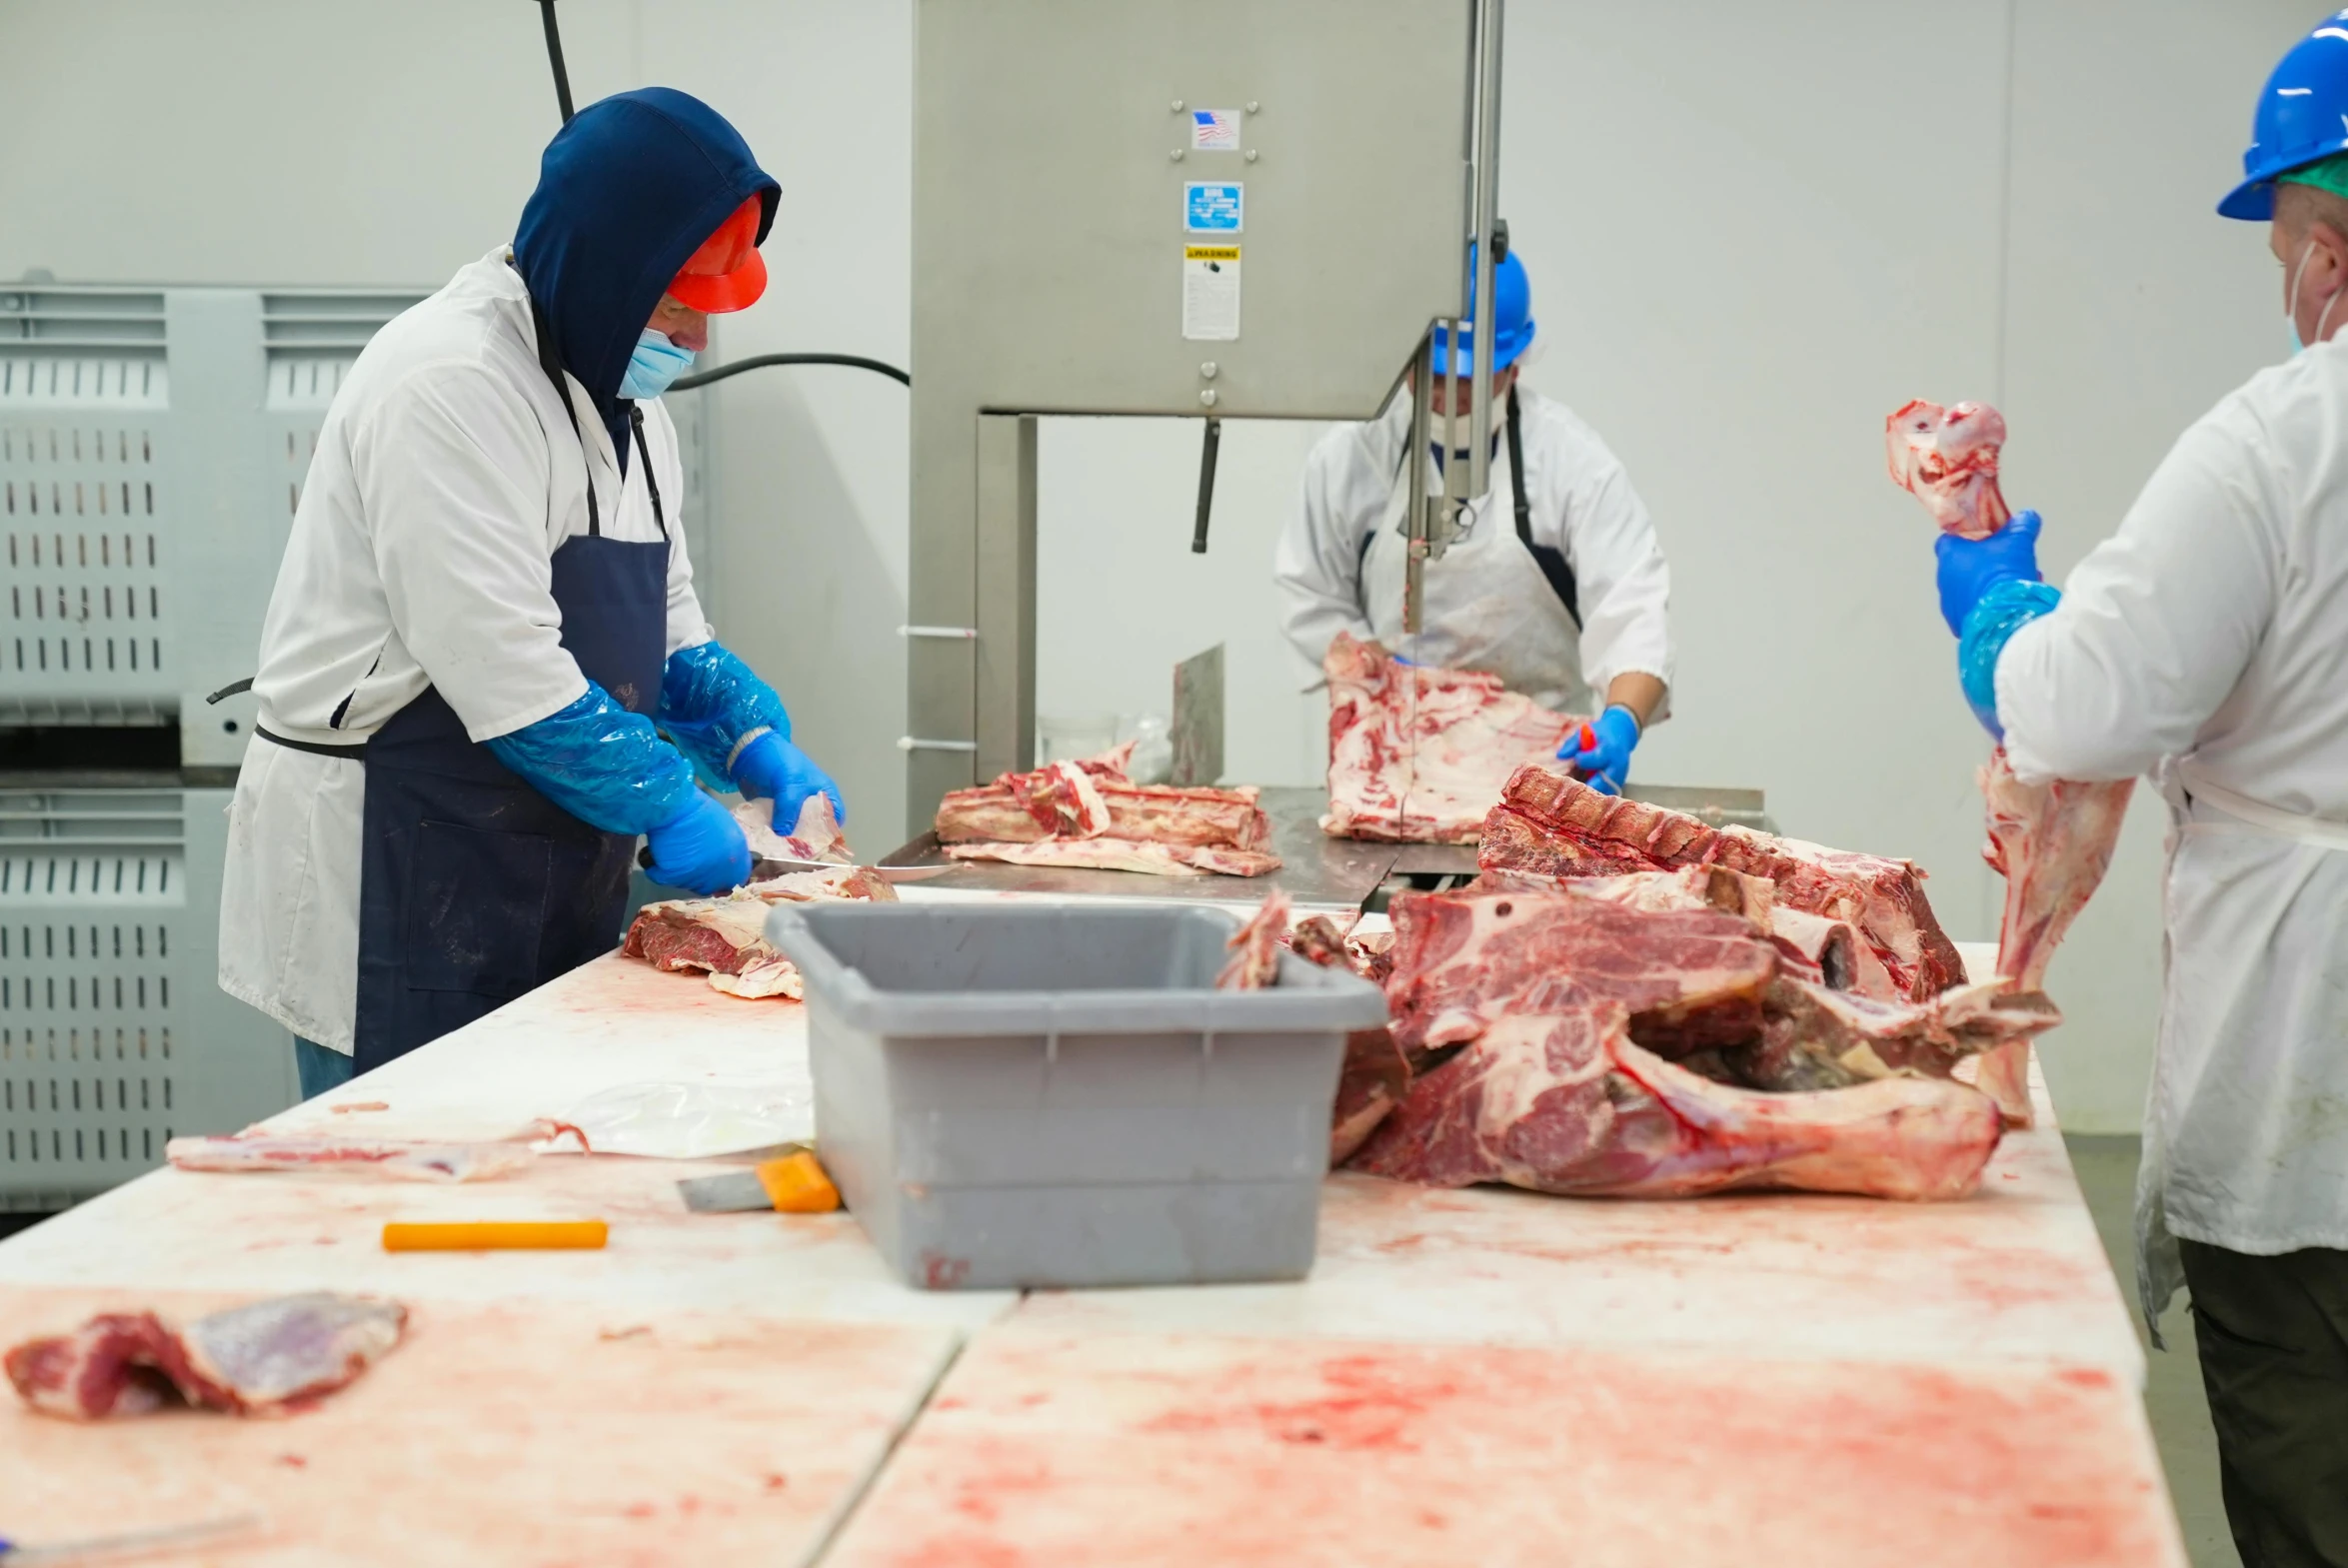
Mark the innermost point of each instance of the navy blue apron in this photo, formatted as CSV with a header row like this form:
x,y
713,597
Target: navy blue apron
x,y
472,886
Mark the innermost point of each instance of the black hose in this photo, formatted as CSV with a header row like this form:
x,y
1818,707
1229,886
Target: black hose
x,y
737,366
554,54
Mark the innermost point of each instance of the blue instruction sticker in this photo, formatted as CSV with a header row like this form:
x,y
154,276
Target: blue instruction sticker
x,y
1214,207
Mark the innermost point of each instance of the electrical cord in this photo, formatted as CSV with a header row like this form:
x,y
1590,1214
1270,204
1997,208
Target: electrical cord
x,y
851,360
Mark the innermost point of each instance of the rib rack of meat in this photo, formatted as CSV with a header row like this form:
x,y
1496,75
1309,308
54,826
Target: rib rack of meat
x,y
1090,814
264,1359
1552,823
2051,841
1419,755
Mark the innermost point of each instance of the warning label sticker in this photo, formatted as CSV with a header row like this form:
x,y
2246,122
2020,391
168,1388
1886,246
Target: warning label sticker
x,y
1215,206
1211,293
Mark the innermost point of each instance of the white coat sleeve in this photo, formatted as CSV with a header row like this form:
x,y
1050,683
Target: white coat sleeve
x,y
1621,578
2155,627
1317,562
452,472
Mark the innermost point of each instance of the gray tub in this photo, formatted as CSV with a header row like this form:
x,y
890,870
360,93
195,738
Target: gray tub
x,y
1058,1095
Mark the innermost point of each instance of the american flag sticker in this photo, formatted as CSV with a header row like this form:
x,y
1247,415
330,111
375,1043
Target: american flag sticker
x,y
1214,129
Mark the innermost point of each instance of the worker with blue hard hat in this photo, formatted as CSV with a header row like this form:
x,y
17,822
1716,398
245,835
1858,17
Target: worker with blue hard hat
x,y
1556,581
485,673
2206,645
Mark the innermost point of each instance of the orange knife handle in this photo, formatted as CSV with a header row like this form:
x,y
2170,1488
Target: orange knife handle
x,y
498,1236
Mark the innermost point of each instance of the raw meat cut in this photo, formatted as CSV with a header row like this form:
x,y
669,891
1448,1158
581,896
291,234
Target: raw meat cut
x,y
1124,854
2052,842
1948,459
1692,979
1256,947
264,1358
1370,1085
1090,815
1557,1097
1418,755
816,837
727,938
1816,1038
1374,1075
1552,823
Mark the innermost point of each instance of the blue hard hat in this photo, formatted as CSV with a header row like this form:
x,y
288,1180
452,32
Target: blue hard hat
x,y
1512,334
2302,117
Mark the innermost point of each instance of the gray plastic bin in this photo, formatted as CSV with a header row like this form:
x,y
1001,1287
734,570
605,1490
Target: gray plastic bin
x,y
1012,1096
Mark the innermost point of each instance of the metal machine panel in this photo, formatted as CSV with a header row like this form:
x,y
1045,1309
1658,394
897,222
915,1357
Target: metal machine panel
x,y
1085,242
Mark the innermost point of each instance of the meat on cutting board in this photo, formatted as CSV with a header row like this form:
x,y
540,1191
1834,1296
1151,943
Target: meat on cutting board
x,y
1090,816
1689,979
725,937
1418,755
2051,841
264,1359
1552,823
1558,1098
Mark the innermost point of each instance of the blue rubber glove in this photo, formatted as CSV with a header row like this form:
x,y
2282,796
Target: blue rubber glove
x,y
1970,567
711,703
604,765
701,849
772,767
2003,610
1606,766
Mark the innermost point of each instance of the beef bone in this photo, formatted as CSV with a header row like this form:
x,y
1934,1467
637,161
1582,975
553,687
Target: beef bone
x,y
2051,841
1552,823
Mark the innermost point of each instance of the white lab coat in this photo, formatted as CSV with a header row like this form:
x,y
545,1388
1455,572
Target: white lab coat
x,y
1339,561
2206,643
446,476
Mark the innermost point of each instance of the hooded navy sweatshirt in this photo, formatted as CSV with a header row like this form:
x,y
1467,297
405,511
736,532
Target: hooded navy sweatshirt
x,y
626,191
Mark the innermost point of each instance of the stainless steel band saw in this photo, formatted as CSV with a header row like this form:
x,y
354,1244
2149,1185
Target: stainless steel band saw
x,y
1211,209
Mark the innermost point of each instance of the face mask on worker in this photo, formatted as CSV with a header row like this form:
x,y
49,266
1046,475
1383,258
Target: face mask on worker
x,y
655,363
2291,307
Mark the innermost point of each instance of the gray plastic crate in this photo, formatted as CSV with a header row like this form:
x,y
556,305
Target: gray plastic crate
x,y
1057,1096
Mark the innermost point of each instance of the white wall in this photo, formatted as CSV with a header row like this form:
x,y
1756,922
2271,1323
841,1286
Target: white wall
x,y
1752,233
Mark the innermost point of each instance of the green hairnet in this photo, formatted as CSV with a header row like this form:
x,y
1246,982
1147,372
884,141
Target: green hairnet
x,y
2325,174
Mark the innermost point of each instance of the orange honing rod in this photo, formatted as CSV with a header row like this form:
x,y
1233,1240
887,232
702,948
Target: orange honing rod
x,y
585,1235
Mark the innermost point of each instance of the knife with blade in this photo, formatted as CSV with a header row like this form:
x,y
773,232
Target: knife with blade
x,y
764,867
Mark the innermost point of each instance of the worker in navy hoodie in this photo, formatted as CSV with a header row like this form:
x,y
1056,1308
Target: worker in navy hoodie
x,y
484,673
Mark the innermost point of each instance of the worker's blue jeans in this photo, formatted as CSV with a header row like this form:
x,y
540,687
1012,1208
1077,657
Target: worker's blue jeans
x,y
318,1068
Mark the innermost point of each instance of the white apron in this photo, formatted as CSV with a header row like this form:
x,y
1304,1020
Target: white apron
x,y
2243,1111
1488,605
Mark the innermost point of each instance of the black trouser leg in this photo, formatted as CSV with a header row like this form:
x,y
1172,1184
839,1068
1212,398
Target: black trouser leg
x,y
2273,1333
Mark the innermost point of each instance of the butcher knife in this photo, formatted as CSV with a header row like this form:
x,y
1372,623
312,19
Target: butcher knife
x,y
765,867
793,1184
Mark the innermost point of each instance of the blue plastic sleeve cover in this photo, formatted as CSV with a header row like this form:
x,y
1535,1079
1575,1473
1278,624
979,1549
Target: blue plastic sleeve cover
x,y
711,699
2001,612
604,765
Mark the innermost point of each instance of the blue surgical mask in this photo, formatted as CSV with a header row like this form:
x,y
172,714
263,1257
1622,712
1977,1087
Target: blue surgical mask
x,y
655,363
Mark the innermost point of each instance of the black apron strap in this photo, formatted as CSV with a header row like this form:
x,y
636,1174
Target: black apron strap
x,y
356,751
551,363
644,456
1551,560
